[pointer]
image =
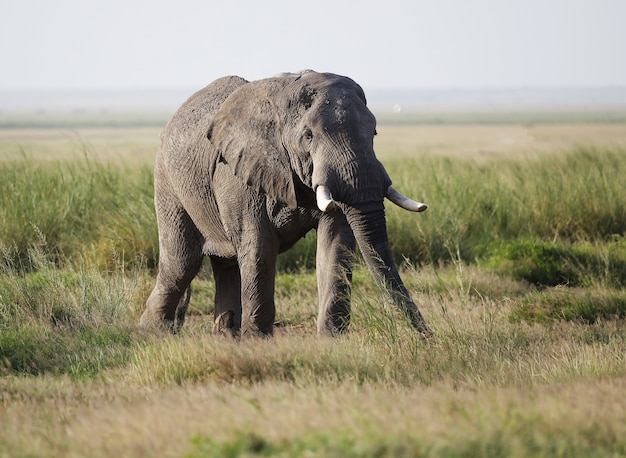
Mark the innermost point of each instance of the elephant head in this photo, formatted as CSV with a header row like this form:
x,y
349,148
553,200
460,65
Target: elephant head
x,y
306,140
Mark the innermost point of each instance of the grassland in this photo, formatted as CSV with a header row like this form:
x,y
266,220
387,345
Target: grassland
x,y
519,265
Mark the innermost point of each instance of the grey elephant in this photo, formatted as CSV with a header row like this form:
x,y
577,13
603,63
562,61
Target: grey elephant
x,y
246,169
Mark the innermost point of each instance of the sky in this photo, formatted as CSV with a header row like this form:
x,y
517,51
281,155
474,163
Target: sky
x,y
425,44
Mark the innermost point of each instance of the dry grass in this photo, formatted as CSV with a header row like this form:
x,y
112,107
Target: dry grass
x,y
441,420
483,386
488,141
393,141
130,145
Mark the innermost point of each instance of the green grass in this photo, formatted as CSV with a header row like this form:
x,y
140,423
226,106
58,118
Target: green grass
x,y
519,266
572,202
569,198
79,211
64,321
551,263
86,210
589,305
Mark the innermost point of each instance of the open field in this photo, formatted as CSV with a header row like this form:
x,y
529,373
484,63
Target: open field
x,y
394,141
129,144
519,265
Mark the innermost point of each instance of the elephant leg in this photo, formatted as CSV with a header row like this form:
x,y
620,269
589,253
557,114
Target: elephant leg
x,y
335,253
227,296
253,236
258,271
181,309
256,254
180,258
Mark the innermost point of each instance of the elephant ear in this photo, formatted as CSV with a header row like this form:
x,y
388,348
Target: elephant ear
x,y
246,131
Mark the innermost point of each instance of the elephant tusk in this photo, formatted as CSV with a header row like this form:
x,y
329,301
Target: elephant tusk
x,y
403,201
324,199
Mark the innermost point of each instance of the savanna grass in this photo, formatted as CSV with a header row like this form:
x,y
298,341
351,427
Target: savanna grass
x,y
522,362
571,197
483,384
66,321
477,209
87,210
80,211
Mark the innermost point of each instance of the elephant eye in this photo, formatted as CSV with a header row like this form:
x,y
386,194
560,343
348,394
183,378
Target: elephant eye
x,y
308,134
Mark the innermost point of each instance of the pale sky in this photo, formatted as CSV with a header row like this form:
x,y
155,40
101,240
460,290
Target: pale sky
x,y
158,44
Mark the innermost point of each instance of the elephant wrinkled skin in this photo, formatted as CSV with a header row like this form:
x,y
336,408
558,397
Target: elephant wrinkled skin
x,y
246,169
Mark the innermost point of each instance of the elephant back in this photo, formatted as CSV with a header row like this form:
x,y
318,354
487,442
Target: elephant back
x,y
193,116
184,135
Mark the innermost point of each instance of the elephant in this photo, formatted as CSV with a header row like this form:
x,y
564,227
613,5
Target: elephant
x,y
247,168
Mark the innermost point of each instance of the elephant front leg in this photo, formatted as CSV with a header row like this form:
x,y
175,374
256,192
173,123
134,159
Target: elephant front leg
x,y
258,270
335,253
257,249
256,244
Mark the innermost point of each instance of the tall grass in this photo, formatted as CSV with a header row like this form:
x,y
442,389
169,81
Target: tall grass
x,y
484,385
88,209
495,212
562,198
518,266
79,210
66,321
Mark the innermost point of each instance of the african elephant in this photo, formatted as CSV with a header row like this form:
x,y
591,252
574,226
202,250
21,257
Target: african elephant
x,y
246,169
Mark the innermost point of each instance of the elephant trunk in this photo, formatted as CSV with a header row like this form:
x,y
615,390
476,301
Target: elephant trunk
x,y
370,231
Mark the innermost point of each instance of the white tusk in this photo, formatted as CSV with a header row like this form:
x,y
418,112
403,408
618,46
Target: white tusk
x,y
403,201
324,199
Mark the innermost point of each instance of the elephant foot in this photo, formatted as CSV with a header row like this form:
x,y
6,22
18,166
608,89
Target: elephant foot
x,y
425,332
253,330
422,328
150,319
224,324
155,322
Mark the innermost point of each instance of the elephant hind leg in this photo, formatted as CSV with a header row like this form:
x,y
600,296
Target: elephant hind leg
x,y
180,259
227,315
181,309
